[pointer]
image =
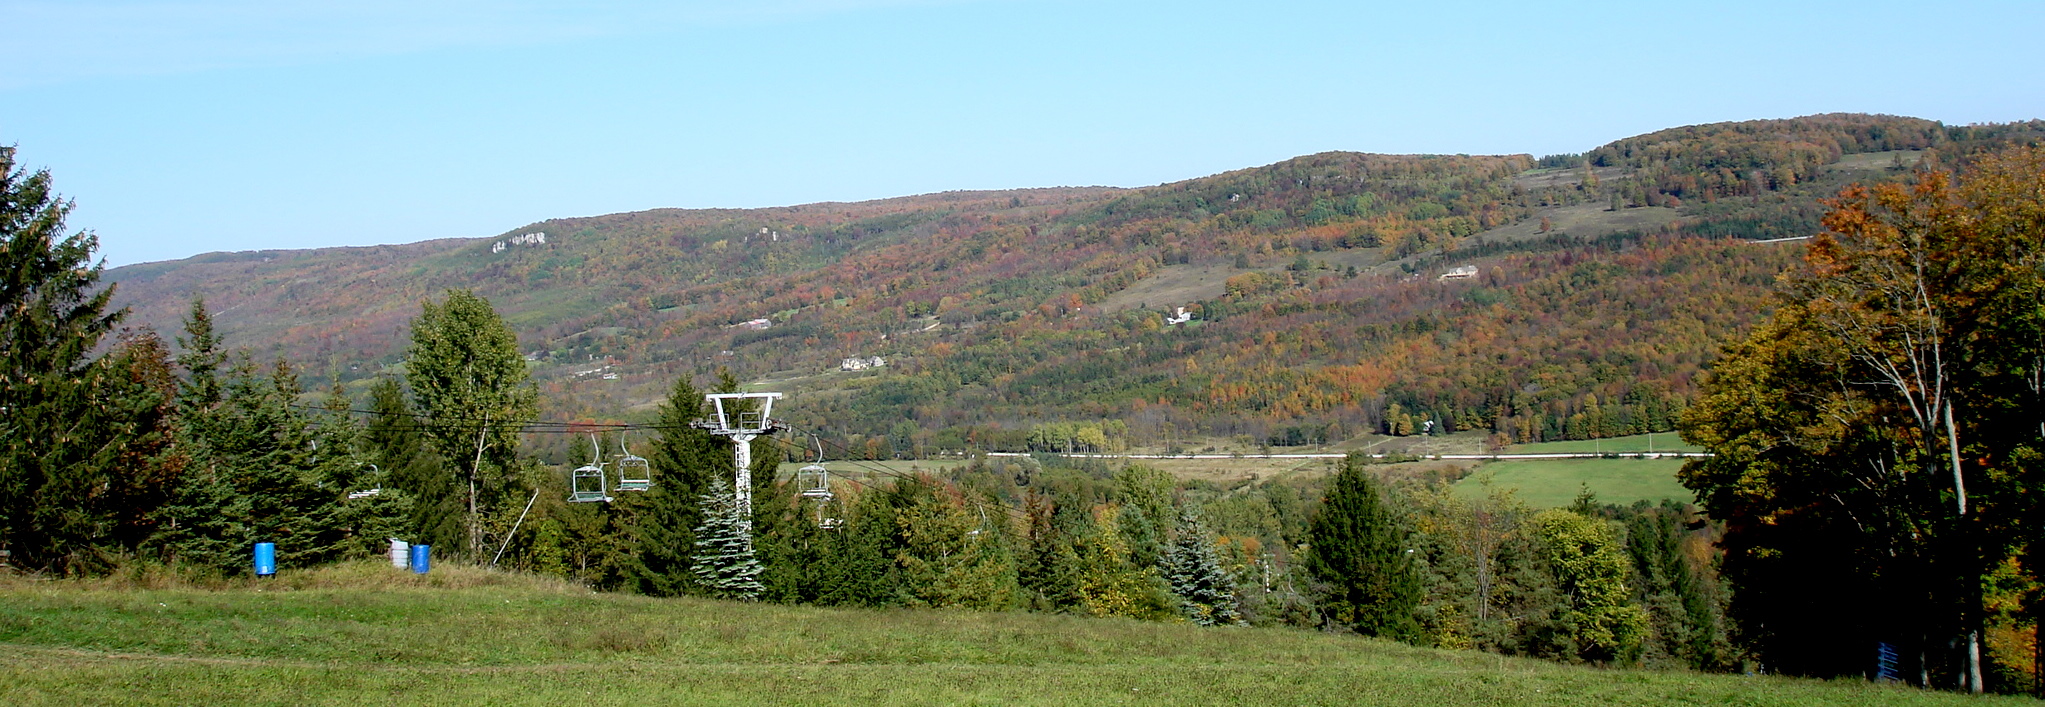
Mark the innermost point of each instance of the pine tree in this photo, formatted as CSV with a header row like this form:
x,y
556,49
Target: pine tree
x,y
1206,592
1145,497
52,436
949,554
787,541
1359,555
1047,569
724,563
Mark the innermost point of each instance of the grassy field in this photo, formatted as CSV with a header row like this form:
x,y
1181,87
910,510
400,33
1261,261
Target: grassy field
x,y
366,634
1547,483
1658,442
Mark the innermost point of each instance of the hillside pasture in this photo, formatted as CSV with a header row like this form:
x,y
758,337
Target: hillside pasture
x,y
1581,220
1631,444
364,633
1171,286
1550,483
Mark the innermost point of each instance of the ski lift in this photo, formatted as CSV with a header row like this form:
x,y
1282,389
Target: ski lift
x,y
813,482
634,473
586,484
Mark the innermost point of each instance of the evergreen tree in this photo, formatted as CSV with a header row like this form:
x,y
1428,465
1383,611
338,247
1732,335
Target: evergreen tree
x,y
686,462
1145,495
370,521
255,476
201,359
858,569
789,543
1048,567
724,563
1206,592
469,380
393,441
1686,623
1359,555
52,439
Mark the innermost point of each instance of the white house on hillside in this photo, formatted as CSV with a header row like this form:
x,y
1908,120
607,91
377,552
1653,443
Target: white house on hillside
x,y
860,364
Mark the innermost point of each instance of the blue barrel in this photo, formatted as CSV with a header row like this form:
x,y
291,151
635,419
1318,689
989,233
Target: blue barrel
x,y
266,559
422,558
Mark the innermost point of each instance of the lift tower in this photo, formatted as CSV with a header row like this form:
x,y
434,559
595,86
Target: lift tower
x,y
735,419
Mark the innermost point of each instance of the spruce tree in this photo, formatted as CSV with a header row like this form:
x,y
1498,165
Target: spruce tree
x,y
1358,555
724,563
686,461
393,440
52,316
858,568
1048,566
1206,592
255,476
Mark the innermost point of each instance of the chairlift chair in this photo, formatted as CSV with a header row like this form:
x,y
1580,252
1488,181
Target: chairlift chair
x,y
634,473
586,484
814,482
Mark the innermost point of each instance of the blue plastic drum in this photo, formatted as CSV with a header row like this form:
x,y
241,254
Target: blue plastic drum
x,y
266,559
422,558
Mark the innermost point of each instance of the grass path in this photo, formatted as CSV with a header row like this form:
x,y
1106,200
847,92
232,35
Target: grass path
x,y
364,634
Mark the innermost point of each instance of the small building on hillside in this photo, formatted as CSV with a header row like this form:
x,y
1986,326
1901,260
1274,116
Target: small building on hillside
x,y
1461,272
1179,316
755,324
860,364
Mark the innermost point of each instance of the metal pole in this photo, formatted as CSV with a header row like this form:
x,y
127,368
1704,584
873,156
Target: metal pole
x,y
742,478
514,528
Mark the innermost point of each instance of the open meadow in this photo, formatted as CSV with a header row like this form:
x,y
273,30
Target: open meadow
x,y
1549,483
363,633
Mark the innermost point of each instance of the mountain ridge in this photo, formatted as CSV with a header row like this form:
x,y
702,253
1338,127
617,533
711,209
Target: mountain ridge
x,y
990,302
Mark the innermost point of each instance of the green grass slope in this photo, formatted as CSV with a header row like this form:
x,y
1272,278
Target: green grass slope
x,y
1550,483
366,634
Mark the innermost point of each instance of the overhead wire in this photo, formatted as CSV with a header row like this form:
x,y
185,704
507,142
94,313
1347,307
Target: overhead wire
x,y
1019,513
424,421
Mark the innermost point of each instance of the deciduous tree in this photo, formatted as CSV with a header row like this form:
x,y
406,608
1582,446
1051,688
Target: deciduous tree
x,y
470,382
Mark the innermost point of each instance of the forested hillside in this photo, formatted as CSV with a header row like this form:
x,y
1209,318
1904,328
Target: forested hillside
x,y
1603,282
1868,399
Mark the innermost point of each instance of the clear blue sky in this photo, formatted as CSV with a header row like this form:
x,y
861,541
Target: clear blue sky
x,y
204,125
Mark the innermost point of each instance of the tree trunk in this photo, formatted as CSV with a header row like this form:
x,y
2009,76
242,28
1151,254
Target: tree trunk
x,y
475,520
1971,610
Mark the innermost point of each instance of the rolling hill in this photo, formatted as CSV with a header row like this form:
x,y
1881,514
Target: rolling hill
x,y
1599,286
